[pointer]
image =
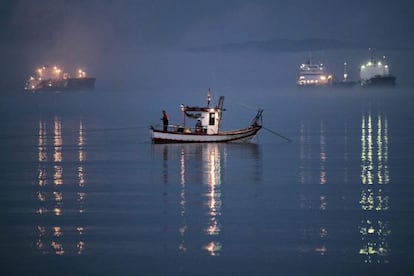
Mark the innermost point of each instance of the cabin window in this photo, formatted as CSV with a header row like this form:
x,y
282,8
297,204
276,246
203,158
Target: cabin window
x,y
212,119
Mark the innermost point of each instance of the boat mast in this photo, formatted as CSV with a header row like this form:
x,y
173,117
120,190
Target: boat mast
x,y
208,97
372,55
220,109
345,72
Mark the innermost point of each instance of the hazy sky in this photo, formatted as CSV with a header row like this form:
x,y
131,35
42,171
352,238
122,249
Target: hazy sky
x,y
31,31
192,21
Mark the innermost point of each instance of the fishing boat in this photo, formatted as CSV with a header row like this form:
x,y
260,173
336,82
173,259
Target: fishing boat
x,y
52,78
313,74
376,73
206,128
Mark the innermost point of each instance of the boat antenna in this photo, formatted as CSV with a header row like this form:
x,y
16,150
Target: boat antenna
x,y
345,71
372,54
220,109
208,97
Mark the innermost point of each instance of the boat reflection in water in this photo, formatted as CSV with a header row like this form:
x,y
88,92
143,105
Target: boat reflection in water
x,y
53,194
312,150
373,225
375,178
309,151
200,174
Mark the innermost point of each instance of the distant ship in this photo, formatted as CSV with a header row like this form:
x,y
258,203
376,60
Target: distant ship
x,y
376,73
52,78
313,74
345,82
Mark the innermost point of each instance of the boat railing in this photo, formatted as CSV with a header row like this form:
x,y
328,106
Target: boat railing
x,y
181,129
257,120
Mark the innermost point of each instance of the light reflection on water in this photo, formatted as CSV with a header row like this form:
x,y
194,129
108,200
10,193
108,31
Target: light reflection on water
x,y
375,178
312,151
373,227
52,195
201,164
198,171
307,154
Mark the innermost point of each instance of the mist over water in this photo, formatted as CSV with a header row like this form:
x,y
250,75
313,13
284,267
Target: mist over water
x,y
84,191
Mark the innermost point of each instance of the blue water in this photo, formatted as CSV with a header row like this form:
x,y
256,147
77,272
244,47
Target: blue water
x,y
84,192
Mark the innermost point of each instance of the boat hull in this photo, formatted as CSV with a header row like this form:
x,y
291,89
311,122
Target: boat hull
x,y
379,81
239,136
70,84
344,84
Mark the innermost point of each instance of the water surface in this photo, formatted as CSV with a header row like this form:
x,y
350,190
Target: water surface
x,y
84,191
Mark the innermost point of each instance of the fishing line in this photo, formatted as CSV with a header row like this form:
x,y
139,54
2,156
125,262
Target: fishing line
x,y
278,134
268,129
113,128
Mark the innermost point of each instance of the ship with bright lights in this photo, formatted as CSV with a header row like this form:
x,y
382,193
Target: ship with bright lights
x,y
52,78
313,74
376,73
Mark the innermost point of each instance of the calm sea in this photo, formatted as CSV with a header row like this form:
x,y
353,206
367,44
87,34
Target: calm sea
x,y
84,192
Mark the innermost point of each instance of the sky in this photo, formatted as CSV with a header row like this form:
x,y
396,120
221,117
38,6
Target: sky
x,y
105,30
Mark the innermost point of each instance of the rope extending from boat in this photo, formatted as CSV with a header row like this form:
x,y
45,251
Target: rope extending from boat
x,y
278,134
268,129
114,128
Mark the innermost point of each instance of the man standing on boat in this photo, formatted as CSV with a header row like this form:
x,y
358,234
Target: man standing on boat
x,y
165,120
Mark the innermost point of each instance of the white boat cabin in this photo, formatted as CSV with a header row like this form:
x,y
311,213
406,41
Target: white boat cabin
x,y
374,68
206,119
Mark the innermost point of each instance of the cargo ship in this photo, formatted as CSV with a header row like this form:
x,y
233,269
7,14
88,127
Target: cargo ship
x,y
345,82
376,73
313,74
52,78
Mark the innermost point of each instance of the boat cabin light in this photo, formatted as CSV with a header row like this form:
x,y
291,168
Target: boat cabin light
x,y
81,73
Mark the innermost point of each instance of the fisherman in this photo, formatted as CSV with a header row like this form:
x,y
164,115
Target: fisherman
x,y
198,127
165,120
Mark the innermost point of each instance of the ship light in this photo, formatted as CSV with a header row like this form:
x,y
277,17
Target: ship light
x,y
363,67
369,63
56,70
379,63
323,78
386,66
81,73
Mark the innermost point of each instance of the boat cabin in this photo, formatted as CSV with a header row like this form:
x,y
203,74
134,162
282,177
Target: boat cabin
x,y
207,119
